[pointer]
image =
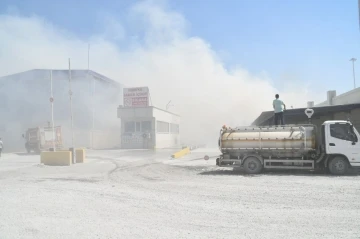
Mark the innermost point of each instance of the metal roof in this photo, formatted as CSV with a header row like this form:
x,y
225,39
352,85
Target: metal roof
x,y
44,73
318,111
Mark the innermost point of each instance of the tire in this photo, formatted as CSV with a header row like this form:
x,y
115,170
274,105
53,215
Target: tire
x,y
252,165
338,165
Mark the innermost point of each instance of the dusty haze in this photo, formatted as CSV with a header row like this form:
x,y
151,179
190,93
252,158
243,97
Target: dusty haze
x,y
25,99
152,48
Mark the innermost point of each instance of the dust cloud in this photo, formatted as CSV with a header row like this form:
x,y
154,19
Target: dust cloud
x,y
25,102
152,50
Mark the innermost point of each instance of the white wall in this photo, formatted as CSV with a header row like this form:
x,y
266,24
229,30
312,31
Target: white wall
x,y
143,112
166,116
102,139
106,139
164,140
167,140
350,97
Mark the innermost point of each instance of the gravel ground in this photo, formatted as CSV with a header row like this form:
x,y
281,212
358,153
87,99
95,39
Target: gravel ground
x,y
145,194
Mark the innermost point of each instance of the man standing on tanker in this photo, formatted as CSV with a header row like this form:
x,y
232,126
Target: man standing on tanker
x,y
278,110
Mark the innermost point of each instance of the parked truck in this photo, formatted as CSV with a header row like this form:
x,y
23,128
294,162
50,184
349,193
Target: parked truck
x,y
334,146
42,138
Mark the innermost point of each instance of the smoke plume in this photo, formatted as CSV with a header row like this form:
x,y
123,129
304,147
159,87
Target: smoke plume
x,y
151,49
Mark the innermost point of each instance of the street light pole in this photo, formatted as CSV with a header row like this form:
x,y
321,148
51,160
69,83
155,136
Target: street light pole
x,y
353,63
359,12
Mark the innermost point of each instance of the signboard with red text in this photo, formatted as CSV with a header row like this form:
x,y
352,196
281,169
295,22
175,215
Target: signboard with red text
x,y
136,97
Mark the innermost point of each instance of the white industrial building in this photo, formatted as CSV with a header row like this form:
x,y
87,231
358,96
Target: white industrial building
x,y
350,97
342,107
148,128
24,103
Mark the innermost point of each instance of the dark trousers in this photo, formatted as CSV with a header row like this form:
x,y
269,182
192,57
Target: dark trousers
x,y
279,117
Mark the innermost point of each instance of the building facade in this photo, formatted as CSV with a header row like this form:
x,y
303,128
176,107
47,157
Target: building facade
x,y
24,101
342,107
297,116
350,97
148,128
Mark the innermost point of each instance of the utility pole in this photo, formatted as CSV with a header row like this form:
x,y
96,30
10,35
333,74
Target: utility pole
x,y
52,109
71,108
92,89
353,63
93,101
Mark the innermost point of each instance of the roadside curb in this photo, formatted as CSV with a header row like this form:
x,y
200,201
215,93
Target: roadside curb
x,y
186,150
181,153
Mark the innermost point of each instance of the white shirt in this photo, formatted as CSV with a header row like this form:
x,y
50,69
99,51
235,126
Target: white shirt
x,y
278,105
1,144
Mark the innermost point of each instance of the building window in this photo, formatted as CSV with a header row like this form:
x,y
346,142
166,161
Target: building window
x,y
137,126
174,128
146,126
162,127
130,127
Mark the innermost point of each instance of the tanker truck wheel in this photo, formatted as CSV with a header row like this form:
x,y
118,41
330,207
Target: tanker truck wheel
x,y
338,165
252,165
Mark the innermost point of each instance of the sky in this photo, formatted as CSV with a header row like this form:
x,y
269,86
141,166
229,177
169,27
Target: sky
x,y
296,40
226,57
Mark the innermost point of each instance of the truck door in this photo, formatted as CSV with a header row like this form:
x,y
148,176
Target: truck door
x,y
342,138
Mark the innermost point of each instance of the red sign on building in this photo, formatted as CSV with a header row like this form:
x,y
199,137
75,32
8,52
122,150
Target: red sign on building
x,y
136,97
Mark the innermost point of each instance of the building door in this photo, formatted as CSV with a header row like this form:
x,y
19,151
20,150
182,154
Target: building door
x,y
147,135
137,135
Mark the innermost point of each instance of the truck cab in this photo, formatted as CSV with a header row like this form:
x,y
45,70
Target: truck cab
x,y
42,138
341,142
32,137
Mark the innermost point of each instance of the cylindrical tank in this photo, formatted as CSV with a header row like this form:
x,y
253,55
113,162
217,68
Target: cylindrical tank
x,y
277,139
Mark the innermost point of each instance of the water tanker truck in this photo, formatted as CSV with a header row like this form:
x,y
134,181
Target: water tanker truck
x,y
334,146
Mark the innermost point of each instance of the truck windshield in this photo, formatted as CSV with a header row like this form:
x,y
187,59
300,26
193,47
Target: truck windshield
x,y
343,131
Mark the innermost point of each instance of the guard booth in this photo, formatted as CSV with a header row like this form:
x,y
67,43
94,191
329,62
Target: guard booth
x,y
148,128
144,126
